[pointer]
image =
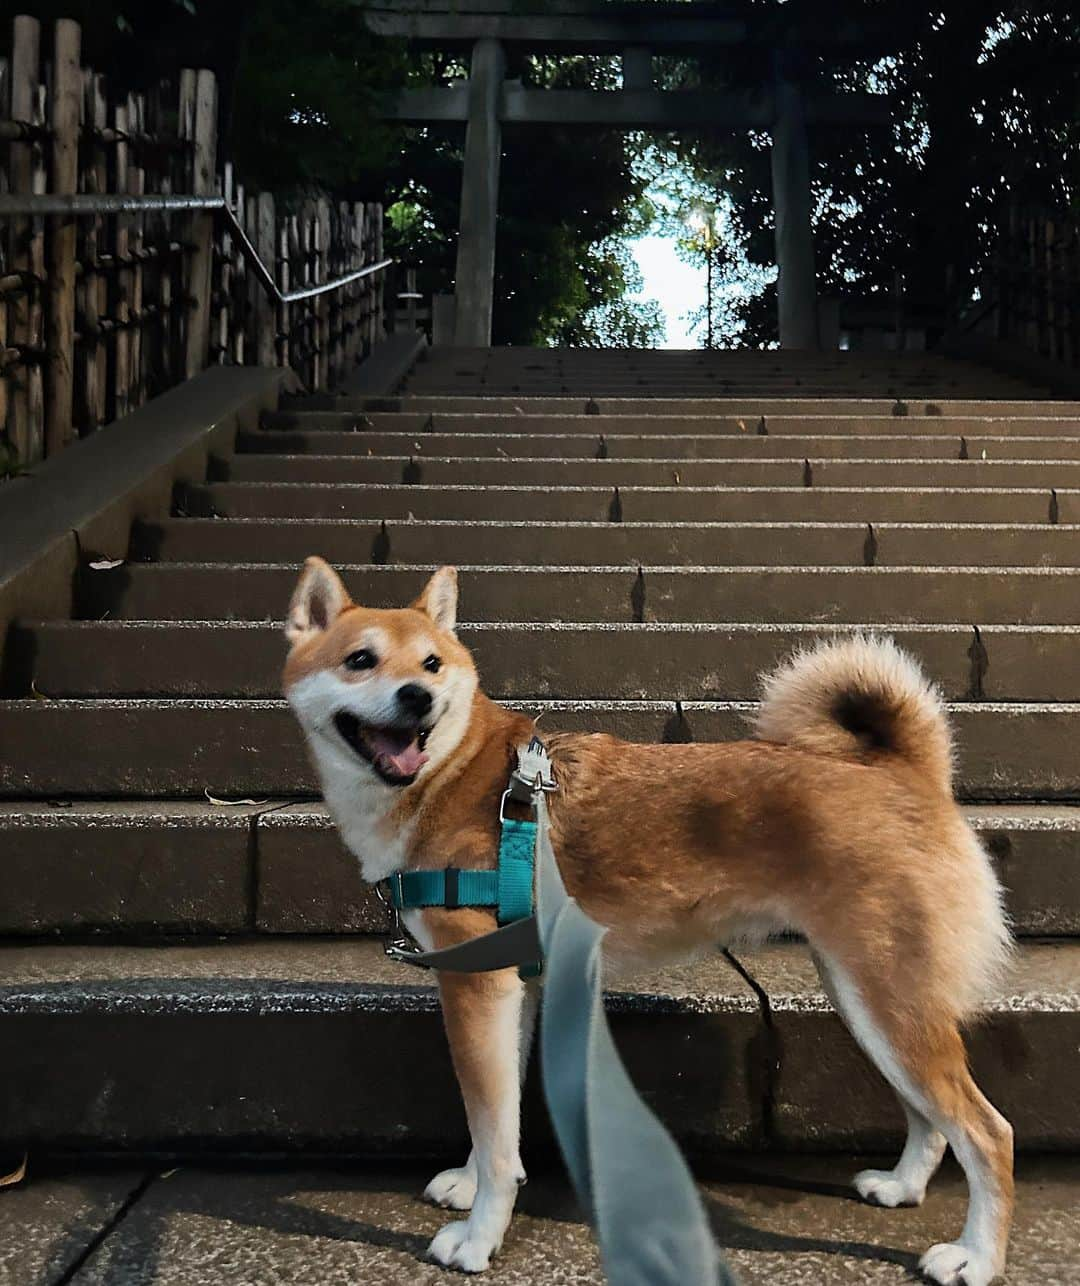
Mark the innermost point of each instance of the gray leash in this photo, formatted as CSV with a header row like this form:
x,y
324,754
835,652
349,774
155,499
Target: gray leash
x,y
626,1169
627,1172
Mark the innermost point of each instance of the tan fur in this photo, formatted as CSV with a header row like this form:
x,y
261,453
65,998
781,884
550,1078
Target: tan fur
x,y
837,821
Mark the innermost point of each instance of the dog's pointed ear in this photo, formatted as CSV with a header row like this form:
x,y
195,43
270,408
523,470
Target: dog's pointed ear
x,y
439,598
317,601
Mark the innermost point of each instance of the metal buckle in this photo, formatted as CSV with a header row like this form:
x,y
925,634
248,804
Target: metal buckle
x,y
398,944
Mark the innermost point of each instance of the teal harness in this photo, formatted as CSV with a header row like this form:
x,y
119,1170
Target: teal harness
x,y
509,889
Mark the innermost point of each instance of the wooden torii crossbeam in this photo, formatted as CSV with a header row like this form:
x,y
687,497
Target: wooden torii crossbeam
x,y
635,32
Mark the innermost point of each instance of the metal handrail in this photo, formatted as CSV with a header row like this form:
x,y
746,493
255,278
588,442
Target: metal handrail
x,y
104,203
114,203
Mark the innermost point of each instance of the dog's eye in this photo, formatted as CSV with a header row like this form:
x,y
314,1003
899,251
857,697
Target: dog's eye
x,y
432,664
362,660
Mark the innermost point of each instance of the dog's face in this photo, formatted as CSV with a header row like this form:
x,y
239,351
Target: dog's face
x,y
381,693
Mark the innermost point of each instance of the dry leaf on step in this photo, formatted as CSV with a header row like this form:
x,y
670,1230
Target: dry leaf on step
x,y
17,1175
233,803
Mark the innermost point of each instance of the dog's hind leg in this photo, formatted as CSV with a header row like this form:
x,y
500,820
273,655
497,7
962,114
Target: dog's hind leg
x,y
455,1189
927,1066
905,1184
482,1013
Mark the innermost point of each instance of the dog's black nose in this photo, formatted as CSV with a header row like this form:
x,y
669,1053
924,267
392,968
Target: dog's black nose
x,y
414,699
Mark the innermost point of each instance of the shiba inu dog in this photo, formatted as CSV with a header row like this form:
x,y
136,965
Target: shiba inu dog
x,y
836,820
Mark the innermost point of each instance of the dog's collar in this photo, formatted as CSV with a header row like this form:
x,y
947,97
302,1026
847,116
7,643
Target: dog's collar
x,y
508,888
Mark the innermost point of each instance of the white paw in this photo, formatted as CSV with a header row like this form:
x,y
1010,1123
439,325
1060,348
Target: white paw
x,y
453,1189
954,1264
458,1246
883,1188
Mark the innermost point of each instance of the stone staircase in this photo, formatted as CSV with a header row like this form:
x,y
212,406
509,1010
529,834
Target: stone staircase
x,y
640,535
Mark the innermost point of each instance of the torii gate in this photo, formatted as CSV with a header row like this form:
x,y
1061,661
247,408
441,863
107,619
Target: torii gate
x,y
634,31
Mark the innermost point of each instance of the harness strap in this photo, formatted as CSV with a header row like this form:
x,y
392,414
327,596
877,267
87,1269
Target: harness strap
x,y
517,854
450,887
504,949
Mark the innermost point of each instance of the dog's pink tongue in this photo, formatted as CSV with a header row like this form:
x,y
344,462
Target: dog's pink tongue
x,y
404,758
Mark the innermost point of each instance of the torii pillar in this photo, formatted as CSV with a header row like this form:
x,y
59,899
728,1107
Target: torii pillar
x,y
474,287
796,286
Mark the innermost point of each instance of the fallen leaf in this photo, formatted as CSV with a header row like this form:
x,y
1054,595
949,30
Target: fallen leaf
x,y
232,803
17,1175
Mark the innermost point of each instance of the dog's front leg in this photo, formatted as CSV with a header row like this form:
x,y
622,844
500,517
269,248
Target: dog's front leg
x,y
482,1013
455,1189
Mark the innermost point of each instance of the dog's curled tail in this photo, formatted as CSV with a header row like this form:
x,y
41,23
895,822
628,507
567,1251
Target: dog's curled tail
x,y
860,697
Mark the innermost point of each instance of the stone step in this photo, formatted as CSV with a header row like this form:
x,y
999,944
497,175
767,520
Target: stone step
x,y
748,406
290,540
782,1221
689,382
866,595
449,378
632,504
497,470
669,447
268,1045
779,359
659,360
132,748
683,387
643,422
543,660
159,868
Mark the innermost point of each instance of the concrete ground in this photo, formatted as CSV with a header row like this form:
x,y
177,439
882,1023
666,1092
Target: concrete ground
x,y
785,1222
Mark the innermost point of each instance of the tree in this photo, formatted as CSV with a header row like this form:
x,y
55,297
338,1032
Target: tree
x,y
984,103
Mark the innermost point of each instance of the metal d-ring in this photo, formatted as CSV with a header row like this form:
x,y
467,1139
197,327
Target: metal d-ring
x,y
398,944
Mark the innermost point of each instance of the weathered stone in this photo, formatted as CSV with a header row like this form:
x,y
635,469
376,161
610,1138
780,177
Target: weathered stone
x,y
125,868
788,1221
308,881
253,748
49,1221
1025,1048
293,1044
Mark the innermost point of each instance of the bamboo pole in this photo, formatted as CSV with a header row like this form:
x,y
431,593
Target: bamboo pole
x,y
203,127
94,289
136,187
321,234
121,286
266,320
66,94
27,242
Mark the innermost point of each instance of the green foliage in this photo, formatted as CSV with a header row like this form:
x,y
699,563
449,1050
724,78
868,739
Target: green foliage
x,y
986,114
984,97
306,106
565,197
610,275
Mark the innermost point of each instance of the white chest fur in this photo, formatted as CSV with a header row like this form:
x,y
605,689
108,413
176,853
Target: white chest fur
x,y
362,811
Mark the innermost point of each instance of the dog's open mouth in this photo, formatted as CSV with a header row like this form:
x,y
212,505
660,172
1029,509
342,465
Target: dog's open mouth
x,y
396,754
